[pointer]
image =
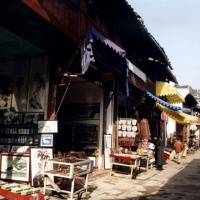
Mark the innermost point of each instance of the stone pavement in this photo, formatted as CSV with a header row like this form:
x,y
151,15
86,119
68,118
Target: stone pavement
x,y
175,182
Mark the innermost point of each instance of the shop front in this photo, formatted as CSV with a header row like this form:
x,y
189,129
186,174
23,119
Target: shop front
x,y
46,76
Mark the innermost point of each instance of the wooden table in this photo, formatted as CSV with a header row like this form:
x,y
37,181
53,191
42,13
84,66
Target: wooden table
x,y
125,161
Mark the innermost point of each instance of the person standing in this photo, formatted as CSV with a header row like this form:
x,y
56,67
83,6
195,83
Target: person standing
x,y
185,149
137,142
159,153
178,147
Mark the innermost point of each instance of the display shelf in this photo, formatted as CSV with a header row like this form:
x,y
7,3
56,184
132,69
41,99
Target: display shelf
x,y
126,131
18,134
84,135
70,168
18,129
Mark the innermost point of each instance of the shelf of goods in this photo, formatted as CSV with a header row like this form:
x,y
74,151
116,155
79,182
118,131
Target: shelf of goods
x,y
126,131
60,175
19,134
85,135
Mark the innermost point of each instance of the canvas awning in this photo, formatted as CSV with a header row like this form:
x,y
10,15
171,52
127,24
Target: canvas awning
x,y
166,104
167,90
178,116
106,55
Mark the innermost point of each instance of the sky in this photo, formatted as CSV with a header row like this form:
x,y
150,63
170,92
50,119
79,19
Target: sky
x,y
175,24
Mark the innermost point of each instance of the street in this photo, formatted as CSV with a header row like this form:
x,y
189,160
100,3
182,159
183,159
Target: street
x,y
175,182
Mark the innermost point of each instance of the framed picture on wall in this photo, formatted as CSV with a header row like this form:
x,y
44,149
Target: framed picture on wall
x,y
15,167
50,126
46,140
13,118
33,118
17,149
37,84
80,112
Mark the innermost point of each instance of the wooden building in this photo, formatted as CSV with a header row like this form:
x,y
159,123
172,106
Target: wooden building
x,y
84,63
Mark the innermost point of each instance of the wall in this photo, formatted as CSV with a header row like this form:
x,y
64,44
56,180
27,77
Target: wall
x,y
171,126
83,92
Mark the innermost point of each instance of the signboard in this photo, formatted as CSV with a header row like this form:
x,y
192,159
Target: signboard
x,y
107,146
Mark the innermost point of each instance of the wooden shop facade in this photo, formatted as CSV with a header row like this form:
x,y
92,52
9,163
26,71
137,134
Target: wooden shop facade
x,y
80,67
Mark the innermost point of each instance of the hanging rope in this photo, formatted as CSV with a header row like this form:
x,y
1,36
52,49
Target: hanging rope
x,y
63,97
67,87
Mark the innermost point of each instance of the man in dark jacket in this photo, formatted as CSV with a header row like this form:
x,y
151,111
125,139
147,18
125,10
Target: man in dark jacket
x,y
137,141
159,153
178,147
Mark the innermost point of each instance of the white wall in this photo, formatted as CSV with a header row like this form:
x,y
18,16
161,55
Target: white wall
x,y
171,126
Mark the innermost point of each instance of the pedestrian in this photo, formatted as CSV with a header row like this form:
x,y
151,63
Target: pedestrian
x,y
185,150
159,153
178,147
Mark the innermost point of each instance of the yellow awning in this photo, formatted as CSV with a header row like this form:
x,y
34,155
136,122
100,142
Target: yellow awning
x,y
178,116
165,89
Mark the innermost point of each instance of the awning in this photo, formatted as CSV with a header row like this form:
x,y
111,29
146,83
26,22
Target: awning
x,y
190,101
136,71
106,55
164,103
167,90
178,116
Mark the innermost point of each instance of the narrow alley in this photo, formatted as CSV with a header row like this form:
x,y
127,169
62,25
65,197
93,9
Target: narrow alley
x,y
175,182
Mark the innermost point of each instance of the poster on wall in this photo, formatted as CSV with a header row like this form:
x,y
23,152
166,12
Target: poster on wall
x,y
37,157
107,146
20,84
19,97
37,85
6,79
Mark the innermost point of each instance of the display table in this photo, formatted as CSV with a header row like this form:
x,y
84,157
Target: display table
x,y
127,161
13,196
147,162
67,171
